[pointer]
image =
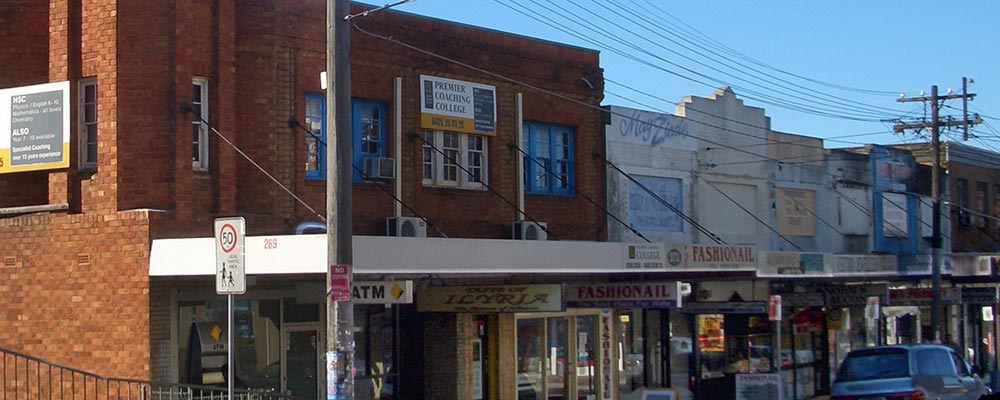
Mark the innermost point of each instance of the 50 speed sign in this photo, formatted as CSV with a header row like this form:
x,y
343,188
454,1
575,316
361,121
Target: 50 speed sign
x,y
230,269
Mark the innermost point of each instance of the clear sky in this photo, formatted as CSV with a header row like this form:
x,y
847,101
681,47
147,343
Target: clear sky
x,y
829,69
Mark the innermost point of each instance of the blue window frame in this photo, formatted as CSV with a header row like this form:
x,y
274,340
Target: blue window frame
x,y
367,134
316,137
549,166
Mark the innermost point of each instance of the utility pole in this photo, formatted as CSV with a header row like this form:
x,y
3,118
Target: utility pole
x,y
339,356
936,188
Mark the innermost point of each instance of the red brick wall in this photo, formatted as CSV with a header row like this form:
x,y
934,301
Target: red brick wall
x,y
266,37
24,60
973,237
75,291
24,56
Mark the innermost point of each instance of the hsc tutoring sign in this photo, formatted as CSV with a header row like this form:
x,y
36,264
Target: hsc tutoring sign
x,y
457,106
34,127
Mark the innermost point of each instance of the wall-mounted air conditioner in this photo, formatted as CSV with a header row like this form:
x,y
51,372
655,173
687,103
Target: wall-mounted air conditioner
x,y
527,230
379,168
405,227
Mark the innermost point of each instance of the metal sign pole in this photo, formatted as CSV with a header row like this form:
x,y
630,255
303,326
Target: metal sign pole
x,y
229,347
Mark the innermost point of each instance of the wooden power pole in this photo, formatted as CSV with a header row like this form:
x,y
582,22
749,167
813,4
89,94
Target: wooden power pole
x,y
339,356
936,187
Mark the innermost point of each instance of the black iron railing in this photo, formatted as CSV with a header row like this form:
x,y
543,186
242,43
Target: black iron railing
x,y
23,377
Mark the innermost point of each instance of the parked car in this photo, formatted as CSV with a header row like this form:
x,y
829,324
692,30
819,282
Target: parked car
x,y
910,372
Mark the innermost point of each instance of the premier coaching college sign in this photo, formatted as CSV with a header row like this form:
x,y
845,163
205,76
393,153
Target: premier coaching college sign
x,y
457,106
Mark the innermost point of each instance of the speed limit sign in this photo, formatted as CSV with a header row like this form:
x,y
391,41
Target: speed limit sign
x,y
230,269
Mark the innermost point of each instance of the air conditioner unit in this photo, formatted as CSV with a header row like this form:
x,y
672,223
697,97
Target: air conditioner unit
x,y
405,227
379,168
527,230
964,218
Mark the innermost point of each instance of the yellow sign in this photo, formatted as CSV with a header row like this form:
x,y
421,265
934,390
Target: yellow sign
x,y
512,298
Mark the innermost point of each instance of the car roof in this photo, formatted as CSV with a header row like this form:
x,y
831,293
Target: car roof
x,y
901,347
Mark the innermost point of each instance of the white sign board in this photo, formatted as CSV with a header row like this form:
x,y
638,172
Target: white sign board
x,y
34,127
457,106
230,263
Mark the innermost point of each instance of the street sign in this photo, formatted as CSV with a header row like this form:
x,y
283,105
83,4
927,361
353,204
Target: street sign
x,y
340,282
230,265
774,307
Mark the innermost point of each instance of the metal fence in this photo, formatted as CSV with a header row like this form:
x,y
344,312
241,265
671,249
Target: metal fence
x,y
23,377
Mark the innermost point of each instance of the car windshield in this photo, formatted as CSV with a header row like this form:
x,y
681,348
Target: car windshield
x,y
881,364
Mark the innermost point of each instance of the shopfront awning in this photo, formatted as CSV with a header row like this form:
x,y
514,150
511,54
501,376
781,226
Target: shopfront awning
x,y
298,254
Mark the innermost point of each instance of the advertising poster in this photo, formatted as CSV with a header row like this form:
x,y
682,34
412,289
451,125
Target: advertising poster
x,y
34,127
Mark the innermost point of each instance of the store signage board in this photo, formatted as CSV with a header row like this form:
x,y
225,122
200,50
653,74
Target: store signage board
x,y
852,295
34,127
980,295
725,307
786,264
230,263
853,265
457,106
625,294
758,386
923,296
387,292
651,257
506,298
706,257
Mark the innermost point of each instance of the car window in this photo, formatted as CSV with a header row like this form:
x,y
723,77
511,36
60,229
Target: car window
x,y
960,365
890,363
935,362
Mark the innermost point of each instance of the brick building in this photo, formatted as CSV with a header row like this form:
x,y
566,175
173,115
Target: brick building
x,y
78,285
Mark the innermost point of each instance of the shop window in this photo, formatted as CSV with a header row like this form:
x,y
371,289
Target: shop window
x,y
199,106
368,130
256,343
454,160
981,205
549,163
559,357
315,136
962,187
88,123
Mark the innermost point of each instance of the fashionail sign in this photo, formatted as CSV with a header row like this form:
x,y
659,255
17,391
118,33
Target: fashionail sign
x,y
634,294
700,257
512,298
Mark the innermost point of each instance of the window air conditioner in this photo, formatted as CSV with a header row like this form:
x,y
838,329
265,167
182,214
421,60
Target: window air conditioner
x,y
527,230
405,227
379,168
964,217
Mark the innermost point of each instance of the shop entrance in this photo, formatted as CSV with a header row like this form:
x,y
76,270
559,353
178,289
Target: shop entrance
x,y
557,356
729,345
301,344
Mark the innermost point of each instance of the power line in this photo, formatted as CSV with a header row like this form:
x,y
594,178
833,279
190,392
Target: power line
x,y
717,44
663,201
485,185
565,181
292,122
186,108
557,95
629,44
735,65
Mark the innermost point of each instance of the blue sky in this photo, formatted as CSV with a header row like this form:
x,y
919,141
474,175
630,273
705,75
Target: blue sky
x,y
801,61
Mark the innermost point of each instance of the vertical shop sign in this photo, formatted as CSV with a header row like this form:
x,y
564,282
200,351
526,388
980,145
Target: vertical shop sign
x,y
608,385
